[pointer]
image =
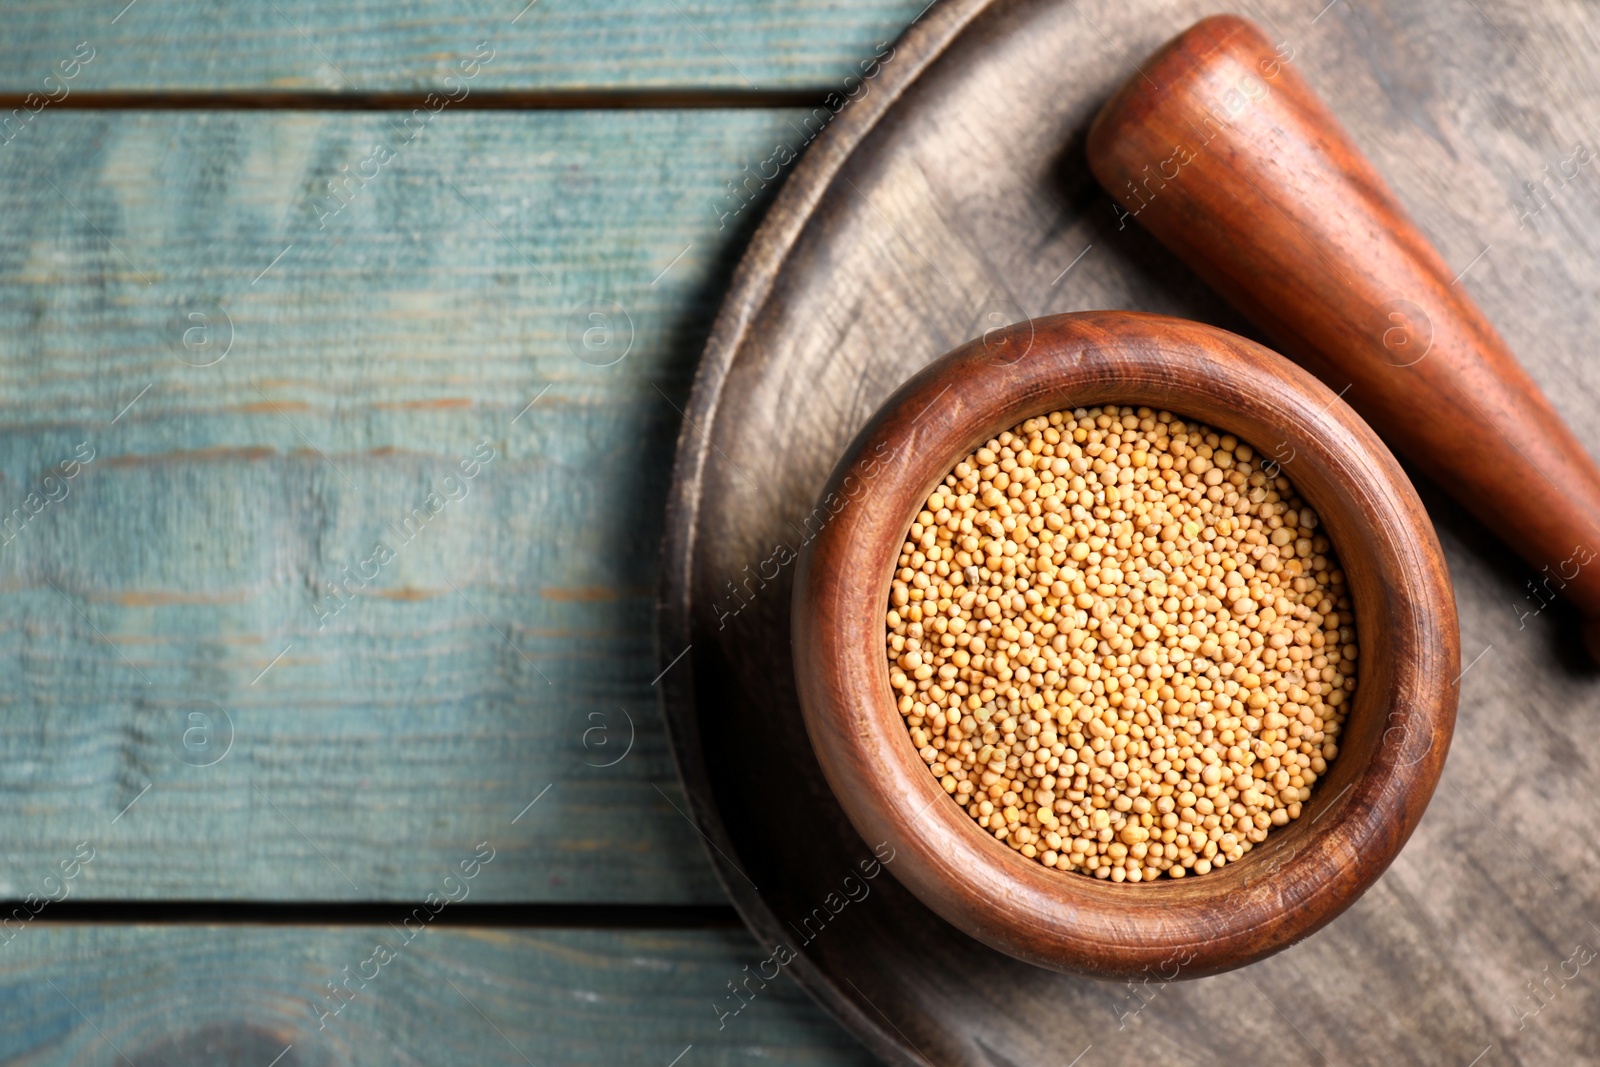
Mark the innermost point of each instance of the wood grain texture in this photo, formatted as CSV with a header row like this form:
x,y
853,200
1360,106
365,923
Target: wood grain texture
x,y
1220,148
368,45
946,202
244,995
506,645
1392,747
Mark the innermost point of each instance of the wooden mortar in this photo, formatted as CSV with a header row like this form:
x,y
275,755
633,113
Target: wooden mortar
x,y
1396,734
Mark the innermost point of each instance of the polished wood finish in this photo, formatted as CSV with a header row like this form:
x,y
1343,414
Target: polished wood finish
x,y
1395,739
1221,149
958,188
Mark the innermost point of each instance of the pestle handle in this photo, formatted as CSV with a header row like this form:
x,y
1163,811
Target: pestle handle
x,y
1221,149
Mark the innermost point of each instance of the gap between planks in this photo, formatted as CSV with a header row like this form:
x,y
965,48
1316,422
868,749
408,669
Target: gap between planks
x,y
363,913
483,100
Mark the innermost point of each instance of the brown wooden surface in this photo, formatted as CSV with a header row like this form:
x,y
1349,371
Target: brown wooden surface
x,y
1391,750
1220,148
965,190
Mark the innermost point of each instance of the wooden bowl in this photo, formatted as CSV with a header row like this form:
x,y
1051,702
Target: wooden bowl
x,y
1395,737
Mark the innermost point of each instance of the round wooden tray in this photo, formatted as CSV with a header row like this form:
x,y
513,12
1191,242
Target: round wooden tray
x,y
951,194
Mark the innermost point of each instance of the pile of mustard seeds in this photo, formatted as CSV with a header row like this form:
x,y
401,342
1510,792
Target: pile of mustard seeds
x,y
1121,644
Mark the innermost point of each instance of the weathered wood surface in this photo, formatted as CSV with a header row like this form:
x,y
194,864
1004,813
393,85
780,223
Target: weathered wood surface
x,y
973,197
503,649
116,995
374,754
371,46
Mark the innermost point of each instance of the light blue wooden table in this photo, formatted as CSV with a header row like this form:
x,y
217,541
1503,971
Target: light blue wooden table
x,y
341,352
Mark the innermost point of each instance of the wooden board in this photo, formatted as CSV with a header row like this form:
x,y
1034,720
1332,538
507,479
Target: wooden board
x,y
371,46
370,358
244,995
960,190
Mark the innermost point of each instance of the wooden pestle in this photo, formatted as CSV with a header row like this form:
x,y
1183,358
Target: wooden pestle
x,y
1222,150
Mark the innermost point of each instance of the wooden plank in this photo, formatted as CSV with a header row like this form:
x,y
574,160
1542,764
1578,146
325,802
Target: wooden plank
x,y
369,45
244,995
498,647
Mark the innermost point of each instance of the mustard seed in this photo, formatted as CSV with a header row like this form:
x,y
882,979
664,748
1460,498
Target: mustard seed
x,y
1121,643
